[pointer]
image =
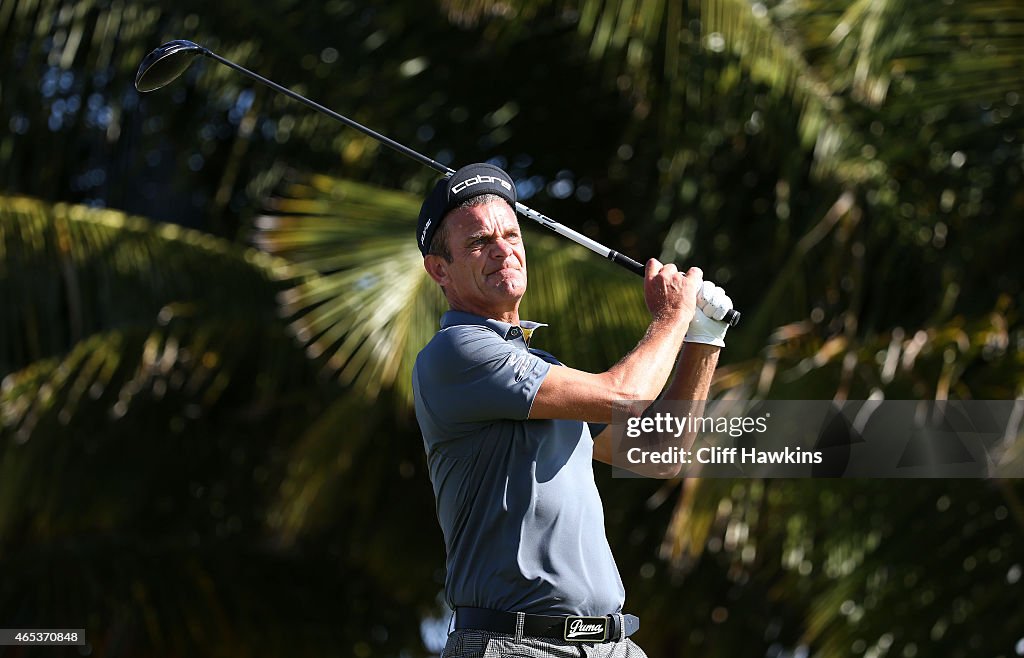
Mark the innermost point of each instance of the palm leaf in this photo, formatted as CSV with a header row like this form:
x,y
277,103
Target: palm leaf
x,y
841,544
654,46
850,549
99,269
823,58
158,338
373,307
165,426
914,53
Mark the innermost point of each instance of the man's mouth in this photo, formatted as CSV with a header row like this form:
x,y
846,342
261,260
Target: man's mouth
x,y
504,269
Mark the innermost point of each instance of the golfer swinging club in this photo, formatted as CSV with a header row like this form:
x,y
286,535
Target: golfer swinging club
x,y
505,429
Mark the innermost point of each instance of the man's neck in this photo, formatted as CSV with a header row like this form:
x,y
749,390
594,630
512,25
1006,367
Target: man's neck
x,y
511,317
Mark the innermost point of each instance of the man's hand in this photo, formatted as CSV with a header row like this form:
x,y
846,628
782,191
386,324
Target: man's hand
x,y
670,294
707,325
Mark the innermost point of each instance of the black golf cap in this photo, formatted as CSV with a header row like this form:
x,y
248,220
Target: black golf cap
x,y
466,183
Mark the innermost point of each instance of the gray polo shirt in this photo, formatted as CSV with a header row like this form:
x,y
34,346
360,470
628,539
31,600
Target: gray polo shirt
x,y
522,519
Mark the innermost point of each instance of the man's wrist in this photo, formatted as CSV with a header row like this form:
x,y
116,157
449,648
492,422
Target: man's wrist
x,y
669,324
694,371
701,352
705,330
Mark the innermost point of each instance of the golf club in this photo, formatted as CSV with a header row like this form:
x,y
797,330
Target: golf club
x,y
162,66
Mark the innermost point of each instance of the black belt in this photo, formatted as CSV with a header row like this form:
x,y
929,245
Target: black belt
x,y
570,628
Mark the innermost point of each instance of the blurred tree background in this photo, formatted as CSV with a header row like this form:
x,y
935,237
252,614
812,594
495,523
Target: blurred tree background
x,y
211,301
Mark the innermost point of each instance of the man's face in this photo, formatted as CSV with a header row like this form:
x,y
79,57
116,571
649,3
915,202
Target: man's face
x,y
487,275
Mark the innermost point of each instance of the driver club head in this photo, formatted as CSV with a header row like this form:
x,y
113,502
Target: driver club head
x,y
166,63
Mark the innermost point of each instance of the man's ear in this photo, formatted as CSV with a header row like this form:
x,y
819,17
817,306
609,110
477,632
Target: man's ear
x,y
437,268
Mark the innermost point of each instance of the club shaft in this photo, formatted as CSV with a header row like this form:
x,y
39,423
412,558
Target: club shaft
x,y
732,317
387,141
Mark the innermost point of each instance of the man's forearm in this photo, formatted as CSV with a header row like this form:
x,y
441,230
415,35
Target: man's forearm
x,y
640,375
643,372
692,381
671,298
690,387
696,367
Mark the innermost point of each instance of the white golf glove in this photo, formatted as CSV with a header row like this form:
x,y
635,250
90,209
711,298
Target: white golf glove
x,y
708,326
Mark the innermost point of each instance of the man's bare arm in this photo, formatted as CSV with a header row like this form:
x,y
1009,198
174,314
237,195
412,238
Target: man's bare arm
x,y
640,375
692,381
567,393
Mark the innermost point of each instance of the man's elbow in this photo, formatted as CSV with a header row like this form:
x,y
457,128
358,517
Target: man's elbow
x,y
615,390
619,395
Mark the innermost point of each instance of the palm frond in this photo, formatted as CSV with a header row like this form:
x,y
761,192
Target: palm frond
x,y
841,543
851,550
824,59
373,307
770,55
159,339
353,462
93,269
183,406
663,52
910,52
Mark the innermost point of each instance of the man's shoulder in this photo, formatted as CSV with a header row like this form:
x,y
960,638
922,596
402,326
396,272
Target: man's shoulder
x,y
459,338
456,346
546,356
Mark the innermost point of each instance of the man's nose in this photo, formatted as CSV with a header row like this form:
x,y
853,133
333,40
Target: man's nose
x,y
501,248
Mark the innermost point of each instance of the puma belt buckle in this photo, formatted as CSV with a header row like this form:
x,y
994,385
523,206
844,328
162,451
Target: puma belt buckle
x,y
586,629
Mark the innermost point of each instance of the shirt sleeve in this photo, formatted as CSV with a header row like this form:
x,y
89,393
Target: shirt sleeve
x,y
469,374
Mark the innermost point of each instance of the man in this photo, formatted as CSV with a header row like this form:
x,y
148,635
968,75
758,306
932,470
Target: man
x,y
505,428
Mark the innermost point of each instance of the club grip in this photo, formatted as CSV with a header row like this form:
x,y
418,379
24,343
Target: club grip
x,y
732,316
626,262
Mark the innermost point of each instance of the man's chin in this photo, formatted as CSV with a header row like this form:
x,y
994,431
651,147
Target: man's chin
x,y
512,282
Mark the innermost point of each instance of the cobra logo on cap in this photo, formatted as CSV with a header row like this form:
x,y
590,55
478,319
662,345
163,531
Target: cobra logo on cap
x,y
478,180
423,233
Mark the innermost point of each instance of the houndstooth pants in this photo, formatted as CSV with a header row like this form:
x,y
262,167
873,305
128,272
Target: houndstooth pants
x,y
468,643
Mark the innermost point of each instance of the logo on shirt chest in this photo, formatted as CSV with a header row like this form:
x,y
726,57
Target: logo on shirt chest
x,y
520,364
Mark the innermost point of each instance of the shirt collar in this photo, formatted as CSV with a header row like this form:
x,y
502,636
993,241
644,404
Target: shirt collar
x,y
523,331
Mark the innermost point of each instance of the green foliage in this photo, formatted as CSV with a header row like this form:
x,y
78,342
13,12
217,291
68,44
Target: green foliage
x,y
171,459
70,271
849,559
141,465
373,307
